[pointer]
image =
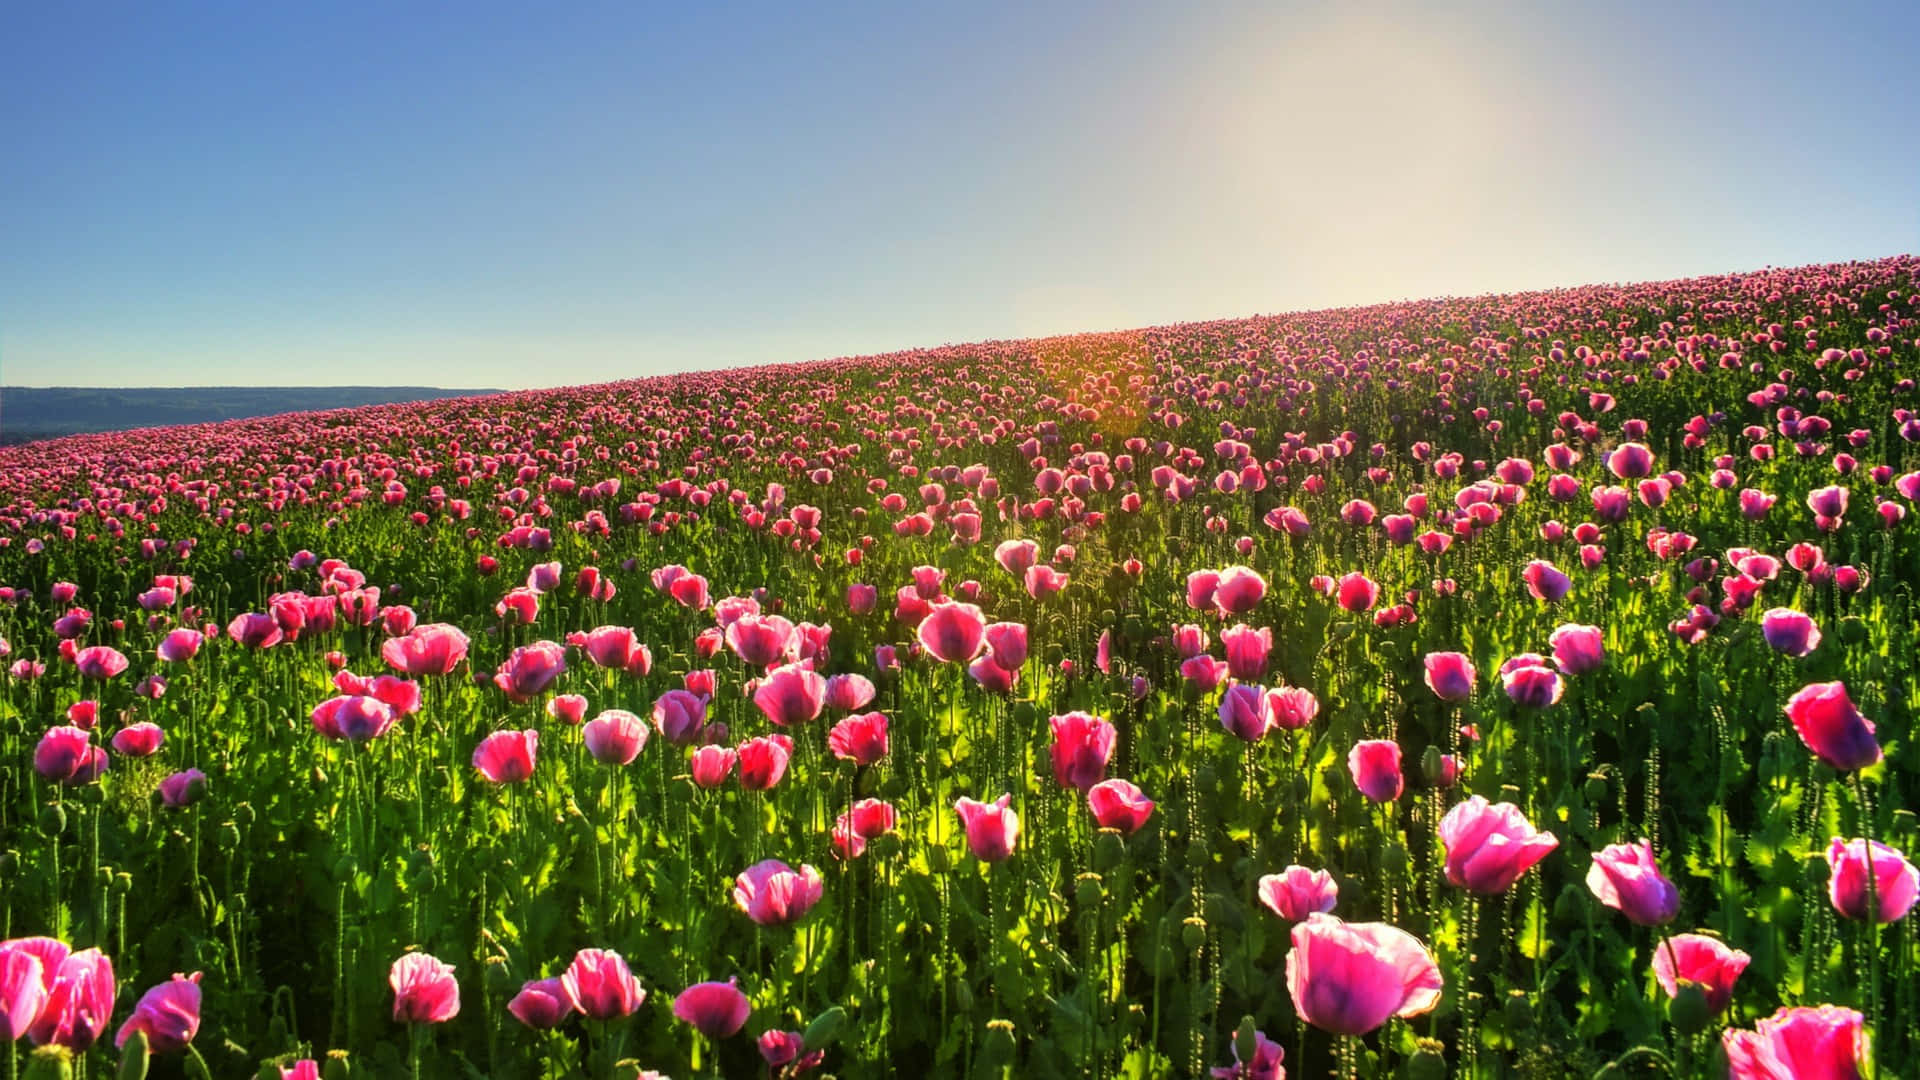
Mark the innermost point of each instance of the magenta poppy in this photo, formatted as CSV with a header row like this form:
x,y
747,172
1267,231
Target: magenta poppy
x,y
1350,978
1490,845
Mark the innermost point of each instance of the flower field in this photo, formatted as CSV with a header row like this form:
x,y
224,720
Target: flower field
x,y
1500,686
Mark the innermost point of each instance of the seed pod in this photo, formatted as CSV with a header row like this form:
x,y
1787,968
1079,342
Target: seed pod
x,y
1193,932
1595,789
497,974
53,819
1109,850
1429,1062
997,1049
337,1067
122,883
1688,1010
50,1063
228,837
1518,1010
1088,891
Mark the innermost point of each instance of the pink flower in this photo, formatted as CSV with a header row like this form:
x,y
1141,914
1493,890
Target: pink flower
x,y
690,591
1247,650
1545,581
618,648
1578,649
569,709
168,1013
1375,765
847,692
1015,556
1790,632
1826,1042
1043,581
1350,978
1450,675
615,737
771,893
1356,592
357,717
1630,461
711,764
1239,590
183,788
80,993
100,662
1832,728
1201,587
1490,846
1118,804
27,970
1895,885
1828,502
1701,960
599,985
785,1053
1297,892
993,829
541,1004
763,761
138,740
544,577
1530,682
530,669
862,598
1243,711
179,646
791,694
507,757
66,755
428,649
424,990
1204,672
860,739
1082,746
679,715
953,632
1189,641
1626,878
1291,708
715,1009
760,640
1007,644
518,606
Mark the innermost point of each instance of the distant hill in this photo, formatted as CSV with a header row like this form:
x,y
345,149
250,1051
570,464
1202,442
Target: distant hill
x,y
28,414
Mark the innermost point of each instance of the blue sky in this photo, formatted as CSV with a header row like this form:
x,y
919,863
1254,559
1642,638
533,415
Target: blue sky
x,y
494,194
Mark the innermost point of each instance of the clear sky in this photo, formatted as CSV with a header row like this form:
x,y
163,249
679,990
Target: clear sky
x,y
519,194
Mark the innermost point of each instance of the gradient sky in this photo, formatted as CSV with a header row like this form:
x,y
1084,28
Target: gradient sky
x,y
513,194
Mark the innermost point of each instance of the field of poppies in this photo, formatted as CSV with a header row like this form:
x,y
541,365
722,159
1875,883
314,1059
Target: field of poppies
x,y
1502,686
